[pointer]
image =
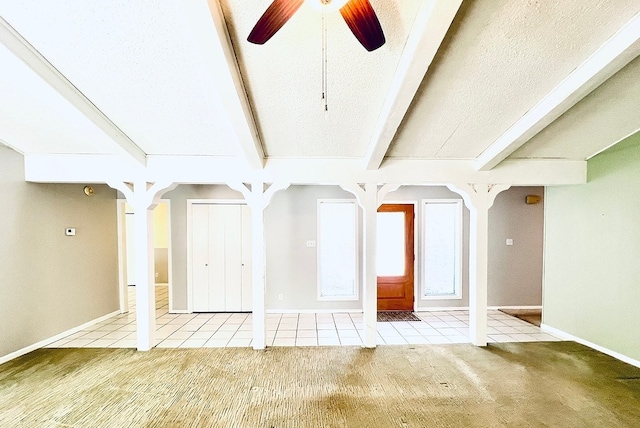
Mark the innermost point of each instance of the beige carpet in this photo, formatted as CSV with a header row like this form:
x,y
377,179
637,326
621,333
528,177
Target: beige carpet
x,y
559,384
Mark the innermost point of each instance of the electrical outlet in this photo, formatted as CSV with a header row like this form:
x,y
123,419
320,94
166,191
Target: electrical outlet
x,y
509,241
157,274
280,296
311,244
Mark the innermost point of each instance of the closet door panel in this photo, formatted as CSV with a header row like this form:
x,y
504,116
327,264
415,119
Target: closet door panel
x,y
217,258
200,257
233,251
247,272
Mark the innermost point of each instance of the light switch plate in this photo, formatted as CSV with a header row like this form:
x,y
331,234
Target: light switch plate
x,y
509,241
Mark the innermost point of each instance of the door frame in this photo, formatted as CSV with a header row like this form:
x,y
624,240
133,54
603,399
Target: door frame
x,y
123,286
416,246
190,204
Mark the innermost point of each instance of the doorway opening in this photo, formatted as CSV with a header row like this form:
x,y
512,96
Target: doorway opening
x,y
126,254
395,257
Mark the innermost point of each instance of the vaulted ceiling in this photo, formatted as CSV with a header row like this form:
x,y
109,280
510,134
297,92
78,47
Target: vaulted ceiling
x,y
480,83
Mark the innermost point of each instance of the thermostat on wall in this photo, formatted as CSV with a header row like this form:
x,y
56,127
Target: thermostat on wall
x,y
70,231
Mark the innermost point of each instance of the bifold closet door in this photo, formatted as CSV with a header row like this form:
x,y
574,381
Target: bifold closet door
x,y
200,257
221,267
247,294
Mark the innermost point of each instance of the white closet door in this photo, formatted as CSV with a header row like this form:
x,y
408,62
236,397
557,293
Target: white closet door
x,y
247,296
217,258
233,252
221,258
200,257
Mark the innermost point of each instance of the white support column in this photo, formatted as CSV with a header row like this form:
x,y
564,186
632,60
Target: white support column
x,y
370,198
370,284
145,282
258,276
258,199
143,198
478,198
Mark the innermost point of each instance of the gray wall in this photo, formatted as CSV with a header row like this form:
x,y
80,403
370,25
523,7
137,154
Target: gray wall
x,y
51,283
515,272
592,249
290,221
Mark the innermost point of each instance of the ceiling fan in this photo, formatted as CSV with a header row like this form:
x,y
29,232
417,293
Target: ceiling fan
x,y
358,14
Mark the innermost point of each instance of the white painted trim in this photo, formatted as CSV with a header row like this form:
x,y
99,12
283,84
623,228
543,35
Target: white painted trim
x,y
55,338
614,54
497,308
613,144
123,294
564,335
61,168
189,257
190,204
211,35
458,248
21,48
356,285
180,311
169,253
429,29
314,311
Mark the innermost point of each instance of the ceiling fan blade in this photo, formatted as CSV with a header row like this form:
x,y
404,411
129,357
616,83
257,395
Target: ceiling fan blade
x,y
363,22
276,15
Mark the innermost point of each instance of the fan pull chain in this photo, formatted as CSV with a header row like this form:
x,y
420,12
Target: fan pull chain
x,y
324,62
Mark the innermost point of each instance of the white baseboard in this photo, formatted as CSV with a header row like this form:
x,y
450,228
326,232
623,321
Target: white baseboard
x,y
443,308
495,308
55,338
466,308
314,311
592,345
180,311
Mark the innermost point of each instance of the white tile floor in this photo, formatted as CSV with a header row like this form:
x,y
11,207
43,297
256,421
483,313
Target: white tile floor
x,y
305,329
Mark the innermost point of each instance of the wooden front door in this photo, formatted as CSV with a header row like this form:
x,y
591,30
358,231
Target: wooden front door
x,y
395,257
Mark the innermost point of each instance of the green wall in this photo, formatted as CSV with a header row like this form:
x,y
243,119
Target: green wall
x,y
592,253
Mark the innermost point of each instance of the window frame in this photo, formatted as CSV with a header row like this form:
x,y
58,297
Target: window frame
x,y
459,225
356,280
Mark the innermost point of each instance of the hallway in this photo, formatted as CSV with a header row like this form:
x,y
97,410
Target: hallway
x,y
230,330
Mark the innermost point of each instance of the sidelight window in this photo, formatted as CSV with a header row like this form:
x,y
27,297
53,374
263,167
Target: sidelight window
x,y
442,249
337,250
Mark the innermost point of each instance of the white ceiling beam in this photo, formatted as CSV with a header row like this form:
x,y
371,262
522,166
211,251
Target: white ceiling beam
x,y
217,169
78,168
21,48
617,52
429,29
211,32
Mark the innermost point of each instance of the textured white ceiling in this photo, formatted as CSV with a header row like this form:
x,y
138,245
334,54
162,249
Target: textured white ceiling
x,y
283,77
137,62
610,113
499,59
142,65
34,118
